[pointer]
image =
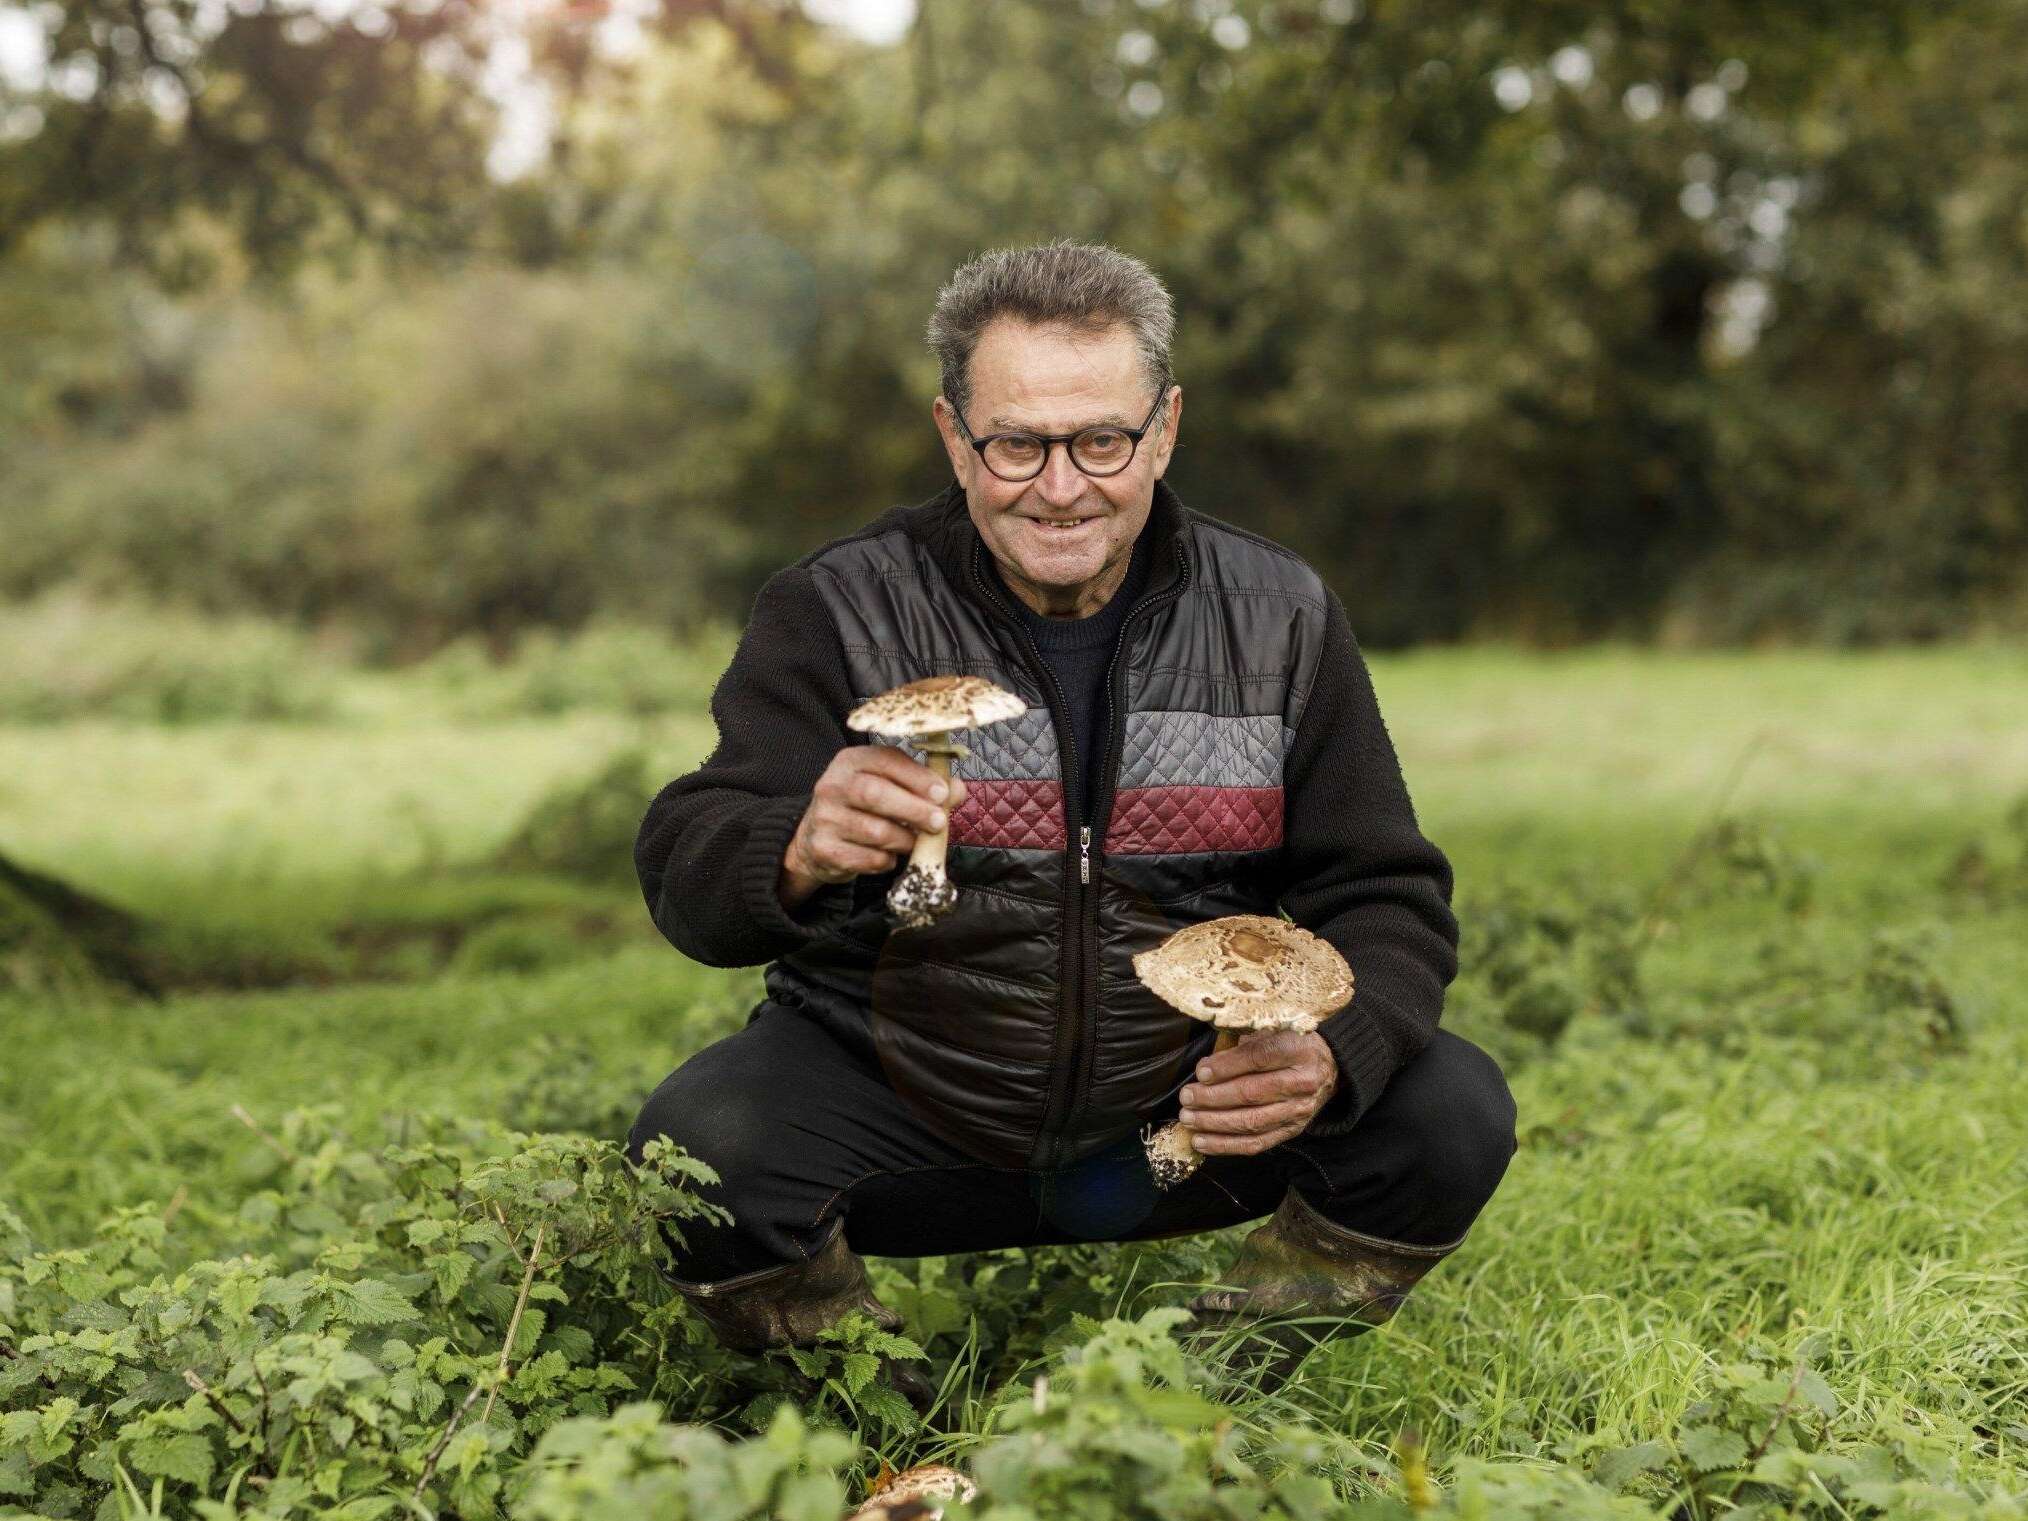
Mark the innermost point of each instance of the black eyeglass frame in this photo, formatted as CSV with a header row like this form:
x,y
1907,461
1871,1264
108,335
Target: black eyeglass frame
x,y
1067,440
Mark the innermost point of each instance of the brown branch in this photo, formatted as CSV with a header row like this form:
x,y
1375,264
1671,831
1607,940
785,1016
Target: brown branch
x,y
190,1377
1767,1436
429,1467
514,1325
1781,1413
611,1238
254,1362
233,149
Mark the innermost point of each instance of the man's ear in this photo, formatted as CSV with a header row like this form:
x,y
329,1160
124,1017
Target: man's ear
x,y
1172,420
961,454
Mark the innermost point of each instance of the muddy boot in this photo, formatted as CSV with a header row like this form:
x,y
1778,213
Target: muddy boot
x,y
1299,1280
787,1305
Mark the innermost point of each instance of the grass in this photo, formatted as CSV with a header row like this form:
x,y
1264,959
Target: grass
x,y
1728,1174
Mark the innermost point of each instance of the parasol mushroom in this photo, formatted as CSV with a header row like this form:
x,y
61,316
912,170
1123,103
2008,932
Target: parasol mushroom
x,y
1241,972
911,1494
926,711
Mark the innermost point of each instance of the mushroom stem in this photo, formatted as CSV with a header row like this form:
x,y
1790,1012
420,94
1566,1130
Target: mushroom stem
x,y
933,846
1172,1150
1226,1039
922,893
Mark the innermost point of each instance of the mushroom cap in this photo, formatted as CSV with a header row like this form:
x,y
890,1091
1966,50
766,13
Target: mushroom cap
x,y
1248,972
924,1483
933,704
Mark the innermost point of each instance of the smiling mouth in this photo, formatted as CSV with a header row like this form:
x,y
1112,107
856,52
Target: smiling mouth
x,y
1059,525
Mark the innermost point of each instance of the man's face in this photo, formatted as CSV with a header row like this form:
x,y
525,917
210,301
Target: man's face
x,y
1050,380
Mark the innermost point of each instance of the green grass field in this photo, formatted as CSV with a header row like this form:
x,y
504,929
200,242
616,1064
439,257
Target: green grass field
x,y
1763,1015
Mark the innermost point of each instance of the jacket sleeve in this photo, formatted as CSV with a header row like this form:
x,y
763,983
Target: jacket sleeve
x,y
710,849
1361,875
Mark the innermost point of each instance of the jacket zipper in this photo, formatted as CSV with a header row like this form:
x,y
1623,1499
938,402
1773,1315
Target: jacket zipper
x,y
1078,1022
1069,956
1086,1058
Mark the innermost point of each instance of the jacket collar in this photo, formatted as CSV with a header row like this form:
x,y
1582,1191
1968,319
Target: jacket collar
x,y
944,526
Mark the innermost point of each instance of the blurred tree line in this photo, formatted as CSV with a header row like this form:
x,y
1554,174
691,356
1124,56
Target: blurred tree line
x,y
1697,322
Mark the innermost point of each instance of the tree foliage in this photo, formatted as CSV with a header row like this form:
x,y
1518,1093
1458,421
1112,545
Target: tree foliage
x,y
1540,321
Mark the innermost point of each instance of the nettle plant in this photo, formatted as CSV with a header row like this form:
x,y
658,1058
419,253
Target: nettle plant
x,y
1538,957
998,1313
413,1319
1118,1428
1765,1441
1124,1428
634,1464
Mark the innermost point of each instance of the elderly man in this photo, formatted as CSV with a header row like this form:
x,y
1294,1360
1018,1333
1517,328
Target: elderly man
x,y
1202,739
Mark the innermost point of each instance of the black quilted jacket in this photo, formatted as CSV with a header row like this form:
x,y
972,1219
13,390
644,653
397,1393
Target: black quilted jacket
x,y
1247,771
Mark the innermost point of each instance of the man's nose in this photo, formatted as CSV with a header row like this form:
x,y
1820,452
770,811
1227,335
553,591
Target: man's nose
x,y
1061,483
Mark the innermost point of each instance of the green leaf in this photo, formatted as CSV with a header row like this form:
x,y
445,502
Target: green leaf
x,y
187,1458
889,1345
452,1270
56,1415
1709,1447
890,1407
369,1302
574,1342
237,1296
1617,1465
810,1497
859,1370
760,1410
15,1477
528,1333
1813,1388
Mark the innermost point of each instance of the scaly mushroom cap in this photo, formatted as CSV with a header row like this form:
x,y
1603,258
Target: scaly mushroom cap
x,y
1248,972
910,1492
934,704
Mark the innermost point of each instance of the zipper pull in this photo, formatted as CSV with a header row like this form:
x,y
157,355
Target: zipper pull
x,y
1084,853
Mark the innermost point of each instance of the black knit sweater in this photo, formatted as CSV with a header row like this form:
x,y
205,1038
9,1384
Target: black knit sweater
x,y
1077,651
1359,871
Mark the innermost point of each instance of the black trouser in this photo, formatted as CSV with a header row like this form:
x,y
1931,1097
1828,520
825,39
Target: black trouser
x,y
800,1130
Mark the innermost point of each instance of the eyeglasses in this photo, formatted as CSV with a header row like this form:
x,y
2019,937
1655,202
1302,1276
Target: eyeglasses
x,y
1104,449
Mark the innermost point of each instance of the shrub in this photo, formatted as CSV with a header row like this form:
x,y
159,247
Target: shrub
x,y
70,656
586,829
411,1323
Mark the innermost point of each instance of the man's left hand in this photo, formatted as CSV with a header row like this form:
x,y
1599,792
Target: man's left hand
x,y
1259,1092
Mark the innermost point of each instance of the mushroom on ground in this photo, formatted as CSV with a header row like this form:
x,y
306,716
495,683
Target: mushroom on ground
x,y
911,1494
926,711
1241,972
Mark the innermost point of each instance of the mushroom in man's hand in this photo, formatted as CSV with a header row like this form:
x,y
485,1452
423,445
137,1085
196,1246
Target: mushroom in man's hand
x,y
926,711
1242,972
912,1494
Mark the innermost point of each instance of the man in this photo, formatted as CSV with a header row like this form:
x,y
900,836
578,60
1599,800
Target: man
x,y
1202,739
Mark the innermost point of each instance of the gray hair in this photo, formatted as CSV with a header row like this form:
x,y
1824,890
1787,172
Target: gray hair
x,y
1083,286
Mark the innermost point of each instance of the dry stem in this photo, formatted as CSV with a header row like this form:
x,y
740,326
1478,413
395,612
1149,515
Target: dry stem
x,y
514,1325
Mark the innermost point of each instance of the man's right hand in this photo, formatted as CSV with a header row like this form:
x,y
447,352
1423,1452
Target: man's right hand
x,y
865,812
